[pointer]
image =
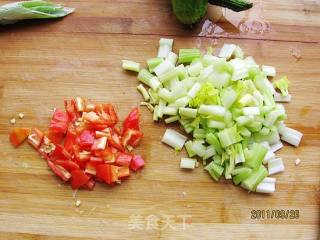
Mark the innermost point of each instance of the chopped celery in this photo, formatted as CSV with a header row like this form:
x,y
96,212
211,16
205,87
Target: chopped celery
x,y
214,170
188,163
255,156
255,178
213,140
188,112
172,119
165,47
188,55
131,65
229,136
174,139
282,84
153,63
227,105
143,92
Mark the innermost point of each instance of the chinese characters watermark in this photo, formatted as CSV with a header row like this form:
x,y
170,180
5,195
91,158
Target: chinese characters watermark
x,y
162,222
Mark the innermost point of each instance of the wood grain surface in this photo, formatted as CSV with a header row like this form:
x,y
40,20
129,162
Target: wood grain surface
x,y
42,63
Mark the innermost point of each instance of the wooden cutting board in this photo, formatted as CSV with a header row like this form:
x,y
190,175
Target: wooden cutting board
x,y
43,63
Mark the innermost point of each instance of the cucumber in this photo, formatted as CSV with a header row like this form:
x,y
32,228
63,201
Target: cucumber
x,y
234,5
189,11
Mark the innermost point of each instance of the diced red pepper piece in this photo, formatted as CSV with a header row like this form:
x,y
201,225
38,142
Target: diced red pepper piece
x,y
86,139
90,168
78,179
123,159
123,172
99,144
67,164
60,153
131,121
137,163
71,110
96,159
59,121
107,113
107,173
59,171
70,141
115,142
90,185
107,155
55,137
131,137
19,135
35,138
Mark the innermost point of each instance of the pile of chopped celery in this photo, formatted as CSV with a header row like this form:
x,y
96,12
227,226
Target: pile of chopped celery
x,y
229,107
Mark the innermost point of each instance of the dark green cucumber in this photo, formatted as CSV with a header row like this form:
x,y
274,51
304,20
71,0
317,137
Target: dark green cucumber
x,y
234,5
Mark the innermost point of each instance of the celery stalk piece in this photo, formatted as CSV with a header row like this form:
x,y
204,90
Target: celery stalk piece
x,y
255,156
238,53
228,97
174,139
275,166
276,146
251,111
172,57
154,98
198,148
170,111
239,154
291,136
214,141
188,146
269,71
266,187
227,50
195,69
272,138
214,170
210,152
229,136
240,174
280,98
213,110
273,116
163,68
244,120
172,119
188,55
255,178
131,65
246,100
188,112
143,92
147,78
194,90
269,156
188,163
216,124
161,106
180,102
148,105
173,73
156,113
36,9
165,47
282,84
166,95
153,63
199,133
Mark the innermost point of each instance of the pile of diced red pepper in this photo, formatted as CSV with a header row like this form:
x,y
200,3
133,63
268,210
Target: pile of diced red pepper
x,y
85,145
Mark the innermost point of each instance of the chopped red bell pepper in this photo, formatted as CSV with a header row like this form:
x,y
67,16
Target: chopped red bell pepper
x,y
78,179
84,144
107,173
35,138
19,135
123,159
59,121
137,163
60,171
86,139
67,164
123,172
131,137
132,120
